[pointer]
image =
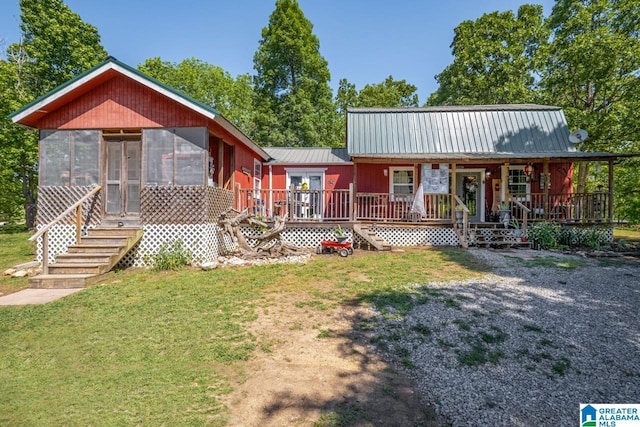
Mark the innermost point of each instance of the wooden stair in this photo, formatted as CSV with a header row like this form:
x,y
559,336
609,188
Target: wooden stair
x,y
89,261
365,231
494,235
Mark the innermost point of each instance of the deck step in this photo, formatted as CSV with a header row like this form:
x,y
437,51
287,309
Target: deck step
x,y
65,281
78,268
84,257
89,261
370,237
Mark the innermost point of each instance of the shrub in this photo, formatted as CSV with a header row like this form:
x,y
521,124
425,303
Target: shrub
x,y
543,235
172,256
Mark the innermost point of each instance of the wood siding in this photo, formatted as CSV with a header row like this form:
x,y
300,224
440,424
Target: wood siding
x,y
336,177
121,103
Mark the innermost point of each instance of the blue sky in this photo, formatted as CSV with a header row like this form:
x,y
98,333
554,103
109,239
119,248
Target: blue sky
x,y
364,41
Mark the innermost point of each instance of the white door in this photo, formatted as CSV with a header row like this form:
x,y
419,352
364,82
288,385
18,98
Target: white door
x,y
308,194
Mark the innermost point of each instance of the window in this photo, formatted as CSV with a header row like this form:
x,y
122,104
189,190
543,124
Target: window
x,y
69,158
257,178
519,186
401,180
176,156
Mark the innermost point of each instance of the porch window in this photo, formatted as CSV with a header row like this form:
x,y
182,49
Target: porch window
x,y
257,178
176,156
69,158
519,185
401,180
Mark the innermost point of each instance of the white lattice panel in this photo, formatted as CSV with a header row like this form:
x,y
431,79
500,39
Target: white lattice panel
x,y
202,240
60,237
303,237
418,236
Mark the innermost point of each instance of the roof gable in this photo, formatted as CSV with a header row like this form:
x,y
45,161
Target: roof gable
x,y
32,112
28,114
501,130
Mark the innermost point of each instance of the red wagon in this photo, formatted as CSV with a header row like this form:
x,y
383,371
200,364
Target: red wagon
x,y
344,249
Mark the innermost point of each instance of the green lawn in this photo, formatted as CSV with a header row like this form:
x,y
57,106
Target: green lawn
x,y
160,348
14,249
626,234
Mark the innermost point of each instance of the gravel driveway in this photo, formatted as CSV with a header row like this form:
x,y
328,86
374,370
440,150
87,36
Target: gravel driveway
x,y
526,344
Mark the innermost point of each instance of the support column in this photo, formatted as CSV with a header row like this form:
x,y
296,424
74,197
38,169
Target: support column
x,y
504,185
354,201
610,210
453,191
547,184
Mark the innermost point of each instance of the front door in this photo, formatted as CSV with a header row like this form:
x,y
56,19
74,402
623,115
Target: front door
x,y
123,178
309,194
469,187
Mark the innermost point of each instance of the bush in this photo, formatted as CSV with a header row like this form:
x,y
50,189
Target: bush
x,y
172,256
543,235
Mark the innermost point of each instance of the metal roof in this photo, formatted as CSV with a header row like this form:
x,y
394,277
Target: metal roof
x,y
316,155
506,131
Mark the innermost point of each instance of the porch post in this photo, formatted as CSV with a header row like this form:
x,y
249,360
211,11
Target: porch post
x,y
453,191
547,184
220,163
504,185
610,212
354,201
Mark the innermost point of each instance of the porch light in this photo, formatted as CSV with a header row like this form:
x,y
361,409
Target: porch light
x,y
386,172
487,174
528,170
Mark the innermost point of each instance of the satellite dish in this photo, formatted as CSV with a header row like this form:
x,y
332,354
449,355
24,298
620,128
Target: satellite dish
x,y
578,136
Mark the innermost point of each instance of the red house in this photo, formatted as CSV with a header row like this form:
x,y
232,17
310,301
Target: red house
x,y
128,164
132,153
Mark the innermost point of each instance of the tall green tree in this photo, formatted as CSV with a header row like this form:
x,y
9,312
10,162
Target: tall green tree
x,y
55,46
495,59
388,94
209,84
293,100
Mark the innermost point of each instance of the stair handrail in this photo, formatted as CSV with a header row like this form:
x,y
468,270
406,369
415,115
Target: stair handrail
x,y
525,212
465,220
45,230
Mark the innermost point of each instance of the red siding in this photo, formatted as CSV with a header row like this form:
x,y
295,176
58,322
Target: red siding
x,y
121,103
336,177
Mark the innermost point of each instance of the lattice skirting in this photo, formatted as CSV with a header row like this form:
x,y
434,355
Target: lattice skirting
x,y
204,241
310,237
418,236
60,237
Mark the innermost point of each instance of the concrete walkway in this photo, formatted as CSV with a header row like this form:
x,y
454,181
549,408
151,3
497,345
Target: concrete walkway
x,y
36,296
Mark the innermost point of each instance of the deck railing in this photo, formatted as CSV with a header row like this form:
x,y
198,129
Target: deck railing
x,y
577,207
77,210
342,205
345,205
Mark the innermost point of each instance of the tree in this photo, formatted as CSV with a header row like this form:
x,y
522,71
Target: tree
x,y
56,45
209,84
293,98
388,94
592,71
495,59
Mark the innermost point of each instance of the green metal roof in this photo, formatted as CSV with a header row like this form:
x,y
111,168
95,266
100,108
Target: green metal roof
x,y
315,155
523,131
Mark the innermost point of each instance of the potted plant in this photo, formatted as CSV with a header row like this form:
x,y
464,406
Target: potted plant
x,y
503,208
517,231
339,234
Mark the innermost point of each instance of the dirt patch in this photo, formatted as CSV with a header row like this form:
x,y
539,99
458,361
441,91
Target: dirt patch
x,y
315,369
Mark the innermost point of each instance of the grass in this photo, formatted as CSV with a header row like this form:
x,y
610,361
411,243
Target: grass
x,y
14,250
162,348
626,234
